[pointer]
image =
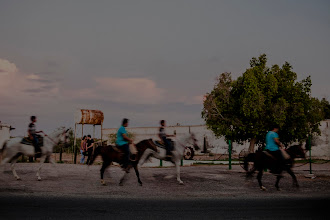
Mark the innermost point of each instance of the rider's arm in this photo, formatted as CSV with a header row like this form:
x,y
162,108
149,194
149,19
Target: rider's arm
x,y
277,141
127,138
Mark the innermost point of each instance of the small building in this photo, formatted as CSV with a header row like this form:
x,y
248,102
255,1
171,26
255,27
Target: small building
x,y
4,133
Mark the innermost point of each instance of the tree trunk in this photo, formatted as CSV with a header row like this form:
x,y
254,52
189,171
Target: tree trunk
x,y
252,143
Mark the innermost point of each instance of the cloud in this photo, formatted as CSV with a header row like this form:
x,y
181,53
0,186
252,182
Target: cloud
x,y
7,68
123,90
18,86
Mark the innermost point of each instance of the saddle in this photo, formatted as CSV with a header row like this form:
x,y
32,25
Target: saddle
x,y
28,141
159,144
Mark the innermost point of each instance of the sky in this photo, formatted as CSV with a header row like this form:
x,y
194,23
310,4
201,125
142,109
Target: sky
x,y
146,60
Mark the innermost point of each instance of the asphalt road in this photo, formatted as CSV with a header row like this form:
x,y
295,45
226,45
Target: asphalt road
x,y
70,191
24,207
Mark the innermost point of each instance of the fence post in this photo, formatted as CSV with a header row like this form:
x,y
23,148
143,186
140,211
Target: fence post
x,y
310,154
181,162
160,163
229,150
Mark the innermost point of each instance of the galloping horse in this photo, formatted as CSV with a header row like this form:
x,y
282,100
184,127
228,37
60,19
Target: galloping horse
x,y
13,148
263,160
111,154
177,153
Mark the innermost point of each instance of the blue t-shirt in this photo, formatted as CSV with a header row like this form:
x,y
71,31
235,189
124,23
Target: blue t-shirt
x,y
120,139
270,142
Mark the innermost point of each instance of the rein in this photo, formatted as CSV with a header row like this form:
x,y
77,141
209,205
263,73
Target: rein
x,y
49,138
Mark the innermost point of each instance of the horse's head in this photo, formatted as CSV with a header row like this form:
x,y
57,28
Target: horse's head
x,y
64,136
191,139
297,151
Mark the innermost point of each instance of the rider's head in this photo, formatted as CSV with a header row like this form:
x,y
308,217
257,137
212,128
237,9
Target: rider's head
x,y
33,118
275,128
125,122
162,122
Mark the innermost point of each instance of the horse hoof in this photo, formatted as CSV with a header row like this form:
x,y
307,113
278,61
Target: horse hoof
x,y
181,183
278,189
39,179
140,184
17,178
103,183
121,184
263,188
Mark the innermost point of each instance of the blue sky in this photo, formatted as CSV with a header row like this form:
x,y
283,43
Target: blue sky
x,y
146,60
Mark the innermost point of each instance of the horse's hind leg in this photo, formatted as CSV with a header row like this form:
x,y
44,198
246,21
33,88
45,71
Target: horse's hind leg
x,y
259,179
137,174
13,162
104,166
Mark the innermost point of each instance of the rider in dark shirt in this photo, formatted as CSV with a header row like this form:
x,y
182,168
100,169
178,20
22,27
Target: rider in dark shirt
x,y
163,136
33,134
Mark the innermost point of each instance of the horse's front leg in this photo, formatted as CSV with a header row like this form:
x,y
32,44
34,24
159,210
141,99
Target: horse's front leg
x,y
137,174
259,179
294,178
42,160
177,167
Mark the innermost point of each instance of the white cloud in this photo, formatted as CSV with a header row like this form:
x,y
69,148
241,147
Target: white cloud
x,y
20,87
123,90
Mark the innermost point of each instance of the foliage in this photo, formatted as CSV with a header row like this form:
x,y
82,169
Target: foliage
x,y
113,137
244,109
326,108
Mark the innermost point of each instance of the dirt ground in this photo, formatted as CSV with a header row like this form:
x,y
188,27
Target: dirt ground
x,y
202,181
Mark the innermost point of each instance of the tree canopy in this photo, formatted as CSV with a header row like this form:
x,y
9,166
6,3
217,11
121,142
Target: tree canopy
x,y
246,108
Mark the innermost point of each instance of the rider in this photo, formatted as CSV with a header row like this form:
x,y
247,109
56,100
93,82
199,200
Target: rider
x,y
273,145
163,136
33,134
122,142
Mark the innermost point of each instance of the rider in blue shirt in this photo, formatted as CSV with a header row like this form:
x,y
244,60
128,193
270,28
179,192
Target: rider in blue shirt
x,y
273,144
123,140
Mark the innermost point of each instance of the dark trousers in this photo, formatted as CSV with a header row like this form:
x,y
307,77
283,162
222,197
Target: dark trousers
x,y
89,155
36,143
168,145
125,148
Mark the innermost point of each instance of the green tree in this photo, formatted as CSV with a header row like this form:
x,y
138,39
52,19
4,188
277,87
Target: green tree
x,y
113,137
244,109
326,108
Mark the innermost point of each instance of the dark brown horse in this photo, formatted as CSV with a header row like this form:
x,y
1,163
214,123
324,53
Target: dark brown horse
x,y
113,154
264,160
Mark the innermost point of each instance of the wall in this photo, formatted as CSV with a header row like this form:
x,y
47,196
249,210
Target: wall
x,y
4,134
320,148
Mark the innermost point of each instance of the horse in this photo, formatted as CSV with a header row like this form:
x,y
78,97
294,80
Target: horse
x,y
13,148
264,160
112,154
177,153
